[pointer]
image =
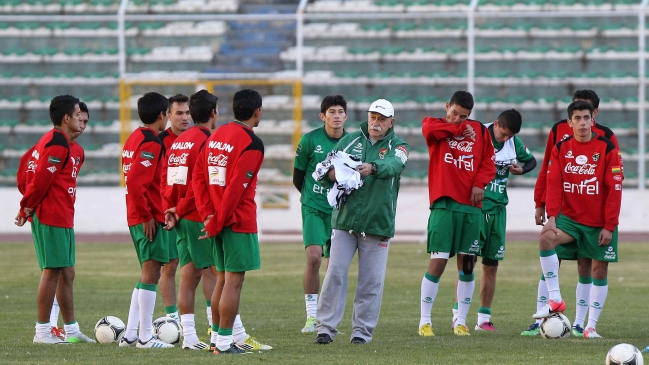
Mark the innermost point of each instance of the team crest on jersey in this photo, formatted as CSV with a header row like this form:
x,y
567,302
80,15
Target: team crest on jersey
x,y
318,149
596,156
382,153
358,148
569,155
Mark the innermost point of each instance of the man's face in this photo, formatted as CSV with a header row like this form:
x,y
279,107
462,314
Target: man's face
x,y
591,103
581,123
212,125
502,134
334,117
74,121
378,125
456,114
83,123
179,116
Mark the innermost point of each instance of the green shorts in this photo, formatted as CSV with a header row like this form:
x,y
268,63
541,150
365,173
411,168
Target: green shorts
x,y
316,229
172,239
453,232
54,245
146,250
568,251
587,238
492,235
236,252
190,248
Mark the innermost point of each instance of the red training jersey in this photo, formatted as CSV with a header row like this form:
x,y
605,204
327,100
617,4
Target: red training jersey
x,y
167,137
47,178
225,179
559,132
457,164
142,163
181,158
585,182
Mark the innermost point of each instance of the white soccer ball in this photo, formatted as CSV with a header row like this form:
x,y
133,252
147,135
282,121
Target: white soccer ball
x,y
624,354
167,330
109,329
556,325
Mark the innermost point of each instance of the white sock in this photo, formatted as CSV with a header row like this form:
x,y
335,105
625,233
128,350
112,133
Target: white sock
x,y
133,317
72,329
173,315
238,330
597,298
311,301
464,295
213,337
454,315
146,300
208,310
223,342
582,295
42,329
189,328
428,294
541,296
54,314
550,267
483,318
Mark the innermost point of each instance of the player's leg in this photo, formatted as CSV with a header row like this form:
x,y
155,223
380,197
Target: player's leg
x,y
601,256
316,232
492,240
582,295
208,282
54,319
228,309
64,291
468,248
541,300
190,276
331,304
168,276
45,297
216,297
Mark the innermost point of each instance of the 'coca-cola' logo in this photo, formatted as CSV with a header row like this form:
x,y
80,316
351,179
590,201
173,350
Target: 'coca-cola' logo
x,y
220,160
464,146
585,169
178,160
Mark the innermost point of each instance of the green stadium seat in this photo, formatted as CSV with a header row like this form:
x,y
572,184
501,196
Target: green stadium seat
x,y
64,75
492,26
94,75
14,51
4,25
79,51
426,99
113,26
45,51
103,2
483,49
581,26
8,123
71,2
27,25
360,50
510,49
379,75
39,2
162,2
529,74
391,50
88,25
408,74
138,51
106,51
150,26
521,26
374,27
348,74
57,25
404,27
32,75
568,49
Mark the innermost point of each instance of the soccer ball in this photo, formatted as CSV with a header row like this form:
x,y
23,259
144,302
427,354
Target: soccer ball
x,y
624,354
556,325
167,330
109,329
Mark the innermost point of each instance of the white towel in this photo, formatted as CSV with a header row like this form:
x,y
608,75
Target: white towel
x,y
347,178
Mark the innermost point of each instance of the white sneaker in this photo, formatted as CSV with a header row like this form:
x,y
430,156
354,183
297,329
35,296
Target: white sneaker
x,y
309,326
126,343
49,339
78,338
590,332
200,345
153,343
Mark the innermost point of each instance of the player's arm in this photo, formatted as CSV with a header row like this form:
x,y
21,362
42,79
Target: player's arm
x,y
247,166
524,155
486,169
50,164
200,188
613,184
541,181
24,175
554,195
434,129
141,175
393,163
301,162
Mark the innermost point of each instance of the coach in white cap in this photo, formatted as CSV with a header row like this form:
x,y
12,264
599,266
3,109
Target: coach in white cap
x,y
363,222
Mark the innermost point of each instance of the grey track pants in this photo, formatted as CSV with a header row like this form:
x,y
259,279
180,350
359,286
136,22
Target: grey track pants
x,y
372,260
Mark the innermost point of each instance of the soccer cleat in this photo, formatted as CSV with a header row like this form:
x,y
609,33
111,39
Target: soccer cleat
x,y
251,344
49,339
534,330
79,338
323,339
426,330
358,341
486,326
577,331
195,346
461,330
126,343
309,326
591,333
549,308
58,332
233,350
153,343
646,349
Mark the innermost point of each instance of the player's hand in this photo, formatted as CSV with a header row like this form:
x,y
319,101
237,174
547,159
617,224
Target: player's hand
x,y
469,132
173,211
332,174
476,195
515,169
605,237
365,169
205,236
170,220
539,216
150,229
19,220
550,226
207,220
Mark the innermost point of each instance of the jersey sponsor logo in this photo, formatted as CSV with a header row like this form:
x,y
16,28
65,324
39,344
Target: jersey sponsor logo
x,y
618,186
596,156
147,155
584,169
462,162
126,168
384,243
583,188
610,254
475,247
502,167
464,146
36,155
617,177
52,169
146,163
31,166
501,253
498,185
221,146
220,160
581,159
182,146
127,154
177,175
217,175
382,153
72,191
318,149
53,160
569,155
177,160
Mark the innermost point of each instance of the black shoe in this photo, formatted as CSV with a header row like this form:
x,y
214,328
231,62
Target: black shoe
x,y
323,339
234,349
358,341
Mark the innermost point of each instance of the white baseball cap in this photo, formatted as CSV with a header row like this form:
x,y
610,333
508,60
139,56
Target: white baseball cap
x,y
382,107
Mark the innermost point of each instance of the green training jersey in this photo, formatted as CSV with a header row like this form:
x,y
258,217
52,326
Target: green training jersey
x,y
311,150
507,153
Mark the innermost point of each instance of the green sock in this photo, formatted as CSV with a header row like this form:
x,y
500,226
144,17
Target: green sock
x,y
171,309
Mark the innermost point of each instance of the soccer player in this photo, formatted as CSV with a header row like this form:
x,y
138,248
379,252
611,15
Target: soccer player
x,y
316,211
364,222
224,182
178,115
560,131
460,152
583,199
510,150
142,163
48,198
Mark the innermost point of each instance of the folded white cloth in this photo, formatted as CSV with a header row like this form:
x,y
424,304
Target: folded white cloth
x,y
347,178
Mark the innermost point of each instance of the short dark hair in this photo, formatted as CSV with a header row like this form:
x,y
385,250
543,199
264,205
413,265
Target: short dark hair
x,y
201,104
586,94
511,119
150,105
178,98
84,108
463,99
580,105
244,104
61,106
331,100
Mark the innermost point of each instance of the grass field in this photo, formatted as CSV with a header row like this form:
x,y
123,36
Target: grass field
x,y
272,310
